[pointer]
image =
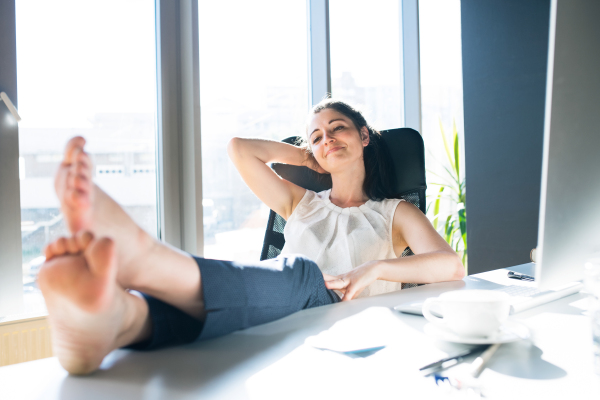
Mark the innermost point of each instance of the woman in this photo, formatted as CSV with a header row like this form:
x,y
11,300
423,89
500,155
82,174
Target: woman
x,y
86,278
356,230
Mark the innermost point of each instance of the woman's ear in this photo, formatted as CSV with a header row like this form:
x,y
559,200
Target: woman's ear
x,y
364,134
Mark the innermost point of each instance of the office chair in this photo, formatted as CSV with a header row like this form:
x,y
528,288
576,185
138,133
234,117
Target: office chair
x,y
408,160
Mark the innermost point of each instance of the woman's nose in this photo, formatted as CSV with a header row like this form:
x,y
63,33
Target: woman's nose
x,y
328,138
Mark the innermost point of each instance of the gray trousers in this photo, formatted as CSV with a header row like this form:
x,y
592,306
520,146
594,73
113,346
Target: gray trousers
x,y
238,296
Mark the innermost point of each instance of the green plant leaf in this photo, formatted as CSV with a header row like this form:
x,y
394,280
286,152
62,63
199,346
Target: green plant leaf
x,y
449,235
452,190
462,219
452,175
449,225
456,151
436,208
440,184
438,175
456,239
449,197
446,143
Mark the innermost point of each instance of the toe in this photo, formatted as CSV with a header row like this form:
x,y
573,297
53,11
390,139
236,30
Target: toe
x,y
73,146
59,246
74,186
72,246
48,253
71,177
81,172
83,160
83,239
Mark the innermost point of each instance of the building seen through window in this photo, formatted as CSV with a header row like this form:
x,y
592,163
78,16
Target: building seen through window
x,y
80,78
253,83
366,59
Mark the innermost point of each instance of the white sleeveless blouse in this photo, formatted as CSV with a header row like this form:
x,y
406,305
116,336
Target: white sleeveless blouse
x,y
341,239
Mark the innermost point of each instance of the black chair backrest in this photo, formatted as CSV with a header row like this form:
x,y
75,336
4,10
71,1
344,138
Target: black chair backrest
x,y
408,159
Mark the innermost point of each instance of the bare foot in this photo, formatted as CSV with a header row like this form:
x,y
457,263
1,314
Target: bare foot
x,y
86,207
73,185
144,263
90,314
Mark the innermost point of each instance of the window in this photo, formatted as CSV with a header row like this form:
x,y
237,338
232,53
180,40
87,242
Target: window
x,y
442,104
441,69
89,68
366,59
253,83
84,68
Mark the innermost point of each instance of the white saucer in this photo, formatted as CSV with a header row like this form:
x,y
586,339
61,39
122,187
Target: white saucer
x,y
510,331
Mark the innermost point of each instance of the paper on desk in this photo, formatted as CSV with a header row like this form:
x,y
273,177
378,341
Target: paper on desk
x,y
308,372
369,329
376,327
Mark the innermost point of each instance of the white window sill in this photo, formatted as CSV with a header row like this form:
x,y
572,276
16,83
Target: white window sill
x,y
33,307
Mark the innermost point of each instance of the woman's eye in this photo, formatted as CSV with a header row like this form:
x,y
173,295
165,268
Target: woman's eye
x,y
337,128
315,140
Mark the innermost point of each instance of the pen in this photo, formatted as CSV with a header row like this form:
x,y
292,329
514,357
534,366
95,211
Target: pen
x,y
455,357
480,361
523,277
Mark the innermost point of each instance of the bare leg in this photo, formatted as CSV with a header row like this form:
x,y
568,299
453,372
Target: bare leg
x,y
145,264
90,314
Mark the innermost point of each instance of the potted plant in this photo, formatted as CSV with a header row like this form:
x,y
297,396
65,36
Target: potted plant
x,y
446,208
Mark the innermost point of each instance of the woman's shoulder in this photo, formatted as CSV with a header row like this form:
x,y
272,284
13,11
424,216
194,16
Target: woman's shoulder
x,y
314,199
384,206
322,195
310,201
316,196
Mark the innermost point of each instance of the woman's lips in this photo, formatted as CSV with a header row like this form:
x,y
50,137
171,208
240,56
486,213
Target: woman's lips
x,y
332,150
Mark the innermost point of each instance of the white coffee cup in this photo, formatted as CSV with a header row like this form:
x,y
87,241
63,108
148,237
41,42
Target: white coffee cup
x,y
469,312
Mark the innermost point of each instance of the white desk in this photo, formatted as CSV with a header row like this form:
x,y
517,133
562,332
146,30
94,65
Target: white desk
x,y
271,361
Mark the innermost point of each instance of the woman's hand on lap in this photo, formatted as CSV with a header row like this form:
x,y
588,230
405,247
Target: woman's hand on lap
x,y
352,283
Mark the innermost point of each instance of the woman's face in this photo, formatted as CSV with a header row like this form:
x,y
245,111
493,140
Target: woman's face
x,y
335,141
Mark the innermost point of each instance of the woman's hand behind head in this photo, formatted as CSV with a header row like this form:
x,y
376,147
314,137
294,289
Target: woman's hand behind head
x,y
312,163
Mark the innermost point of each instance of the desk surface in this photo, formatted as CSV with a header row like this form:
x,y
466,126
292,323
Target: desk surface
x,y
272,361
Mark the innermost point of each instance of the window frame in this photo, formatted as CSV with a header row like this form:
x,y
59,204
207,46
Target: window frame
x,y
411,59
319,56
178,137
11,274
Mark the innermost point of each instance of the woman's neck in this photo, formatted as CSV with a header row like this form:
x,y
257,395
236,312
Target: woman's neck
x,y
347,188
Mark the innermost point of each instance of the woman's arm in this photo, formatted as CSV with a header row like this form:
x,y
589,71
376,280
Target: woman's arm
x,y
434,259
251,156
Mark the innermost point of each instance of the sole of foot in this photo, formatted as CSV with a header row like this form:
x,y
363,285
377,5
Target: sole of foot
x,y
86,306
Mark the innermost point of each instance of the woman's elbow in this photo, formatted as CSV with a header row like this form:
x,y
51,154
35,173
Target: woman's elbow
x,y
234,147
458,269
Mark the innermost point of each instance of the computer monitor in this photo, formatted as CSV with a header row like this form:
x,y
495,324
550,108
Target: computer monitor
x,y
569,223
